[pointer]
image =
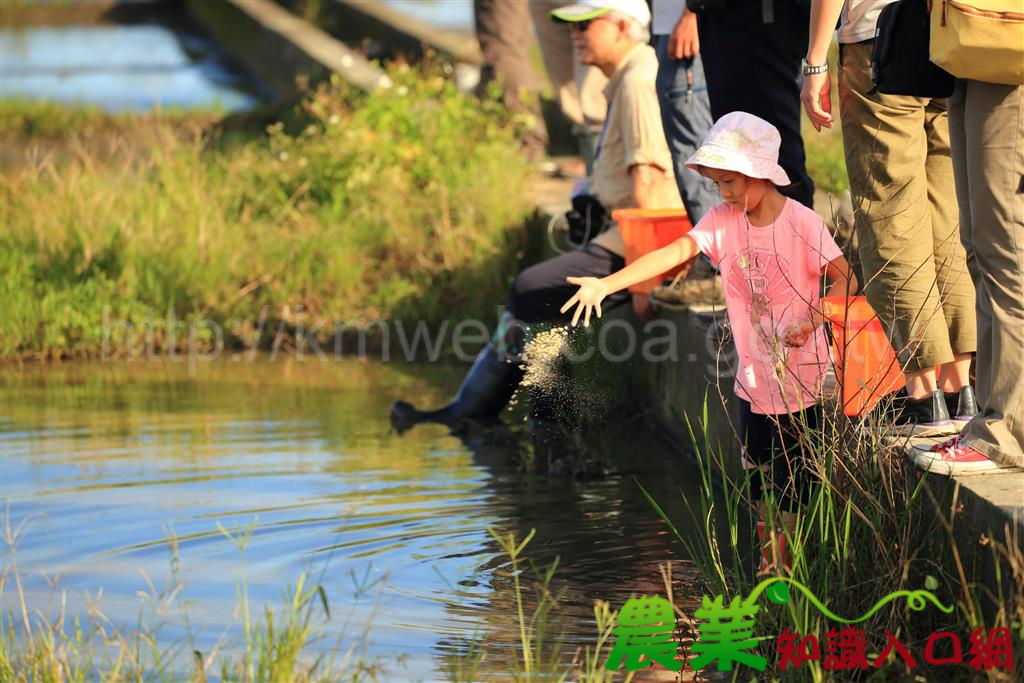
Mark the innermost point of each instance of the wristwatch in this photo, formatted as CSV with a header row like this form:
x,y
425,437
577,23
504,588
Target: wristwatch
x,y
808,69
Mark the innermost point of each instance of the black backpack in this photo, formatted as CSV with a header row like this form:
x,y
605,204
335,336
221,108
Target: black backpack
x,y
899,58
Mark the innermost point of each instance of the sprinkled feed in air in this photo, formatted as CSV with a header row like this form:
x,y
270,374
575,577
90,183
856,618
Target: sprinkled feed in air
x,y
556,371
543,359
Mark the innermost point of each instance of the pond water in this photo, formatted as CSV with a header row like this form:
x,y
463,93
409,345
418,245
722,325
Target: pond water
x,y
448,14
157,59
106,463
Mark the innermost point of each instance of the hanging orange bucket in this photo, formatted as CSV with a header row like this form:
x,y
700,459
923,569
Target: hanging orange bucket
x,y
865,364
646,230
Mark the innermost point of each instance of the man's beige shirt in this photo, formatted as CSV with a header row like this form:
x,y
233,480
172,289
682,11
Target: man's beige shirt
x,y
634,135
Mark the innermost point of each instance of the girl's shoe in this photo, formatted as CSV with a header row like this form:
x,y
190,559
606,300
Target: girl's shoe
x,y
961,405
953,457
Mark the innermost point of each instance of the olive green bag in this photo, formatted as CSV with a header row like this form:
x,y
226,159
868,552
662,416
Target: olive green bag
x,y
979,39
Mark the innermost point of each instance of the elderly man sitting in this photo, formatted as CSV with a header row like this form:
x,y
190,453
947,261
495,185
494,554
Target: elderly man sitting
x,y
632,168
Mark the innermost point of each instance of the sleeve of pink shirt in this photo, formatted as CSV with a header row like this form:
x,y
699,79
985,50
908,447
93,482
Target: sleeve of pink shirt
x,y
708,235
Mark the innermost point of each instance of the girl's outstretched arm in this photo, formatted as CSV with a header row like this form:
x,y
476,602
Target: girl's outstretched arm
x,y
592,290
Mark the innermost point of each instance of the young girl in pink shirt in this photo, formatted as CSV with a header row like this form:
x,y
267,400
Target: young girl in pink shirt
x,y
772,253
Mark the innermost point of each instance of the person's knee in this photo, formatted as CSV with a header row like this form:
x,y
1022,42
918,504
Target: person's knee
x,y
528,283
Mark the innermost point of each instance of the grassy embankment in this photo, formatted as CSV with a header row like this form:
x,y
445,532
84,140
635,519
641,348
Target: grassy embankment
x,y
404,204
872,527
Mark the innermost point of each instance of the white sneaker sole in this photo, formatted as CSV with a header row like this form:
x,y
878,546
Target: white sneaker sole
x,y
927,463
925,460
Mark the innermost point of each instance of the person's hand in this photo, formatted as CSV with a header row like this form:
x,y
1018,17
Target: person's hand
x,y
796,334
684,41
587,299
817,98
643,307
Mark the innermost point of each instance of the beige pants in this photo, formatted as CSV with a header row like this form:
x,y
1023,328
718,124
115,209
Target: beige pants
x,y
578,89
905,213
986,124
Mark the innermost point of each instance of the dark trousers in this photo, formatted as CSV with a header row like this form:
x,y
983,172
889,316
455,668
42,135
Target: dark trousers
x,y
752,51
775,444
540,290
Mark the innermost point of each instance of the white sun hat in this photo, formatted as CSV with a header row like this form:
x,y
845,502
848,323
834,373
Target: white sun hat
x,y
743,143
591,9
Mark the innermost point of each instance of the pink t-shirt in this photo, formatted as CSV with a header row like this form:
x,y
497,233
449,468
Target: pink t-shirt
x,y
771,276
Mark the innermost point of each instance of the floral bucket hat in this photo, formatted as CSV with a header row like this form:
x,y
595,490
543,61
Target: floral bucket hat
x,y
743,143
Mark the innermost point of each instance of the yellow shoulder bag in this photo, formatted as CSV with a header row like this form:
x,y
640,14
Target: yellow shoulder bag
x,y
979,39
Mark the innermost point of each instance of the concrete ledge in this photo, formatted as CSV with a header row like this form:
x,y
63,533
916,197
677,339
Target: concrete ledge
x,y
278,46
987,516
676,394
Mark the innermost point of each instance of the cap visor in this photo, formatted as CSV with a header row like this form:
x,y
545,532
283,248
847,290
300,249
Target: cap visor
x,y
574,13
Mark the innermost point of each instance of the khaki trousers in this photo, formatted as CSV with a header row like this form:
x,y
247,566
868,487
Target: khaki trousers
x,y
986,123
905,214
579,89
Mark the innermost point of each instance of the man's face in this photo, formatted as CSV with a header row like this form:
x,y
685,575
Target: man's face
x,y
595,38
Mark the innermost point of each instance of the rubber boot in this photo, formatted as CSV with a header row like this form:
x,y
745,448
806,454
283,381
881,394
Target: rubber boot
x,y
484,393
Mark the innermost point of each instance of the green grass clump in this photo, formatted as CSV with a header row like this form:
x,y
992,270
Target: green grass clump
x,y
826,161
872,527
407,203
42,118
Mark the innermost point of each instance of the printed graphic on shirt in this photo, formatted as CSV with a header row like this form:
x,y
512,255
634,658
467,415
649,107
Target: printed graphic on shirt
x,y
757,278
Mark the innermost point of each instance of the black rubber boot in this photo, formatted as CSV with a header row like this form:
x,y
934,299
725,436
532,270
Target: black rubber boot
x,y
926,416
484,393
962,405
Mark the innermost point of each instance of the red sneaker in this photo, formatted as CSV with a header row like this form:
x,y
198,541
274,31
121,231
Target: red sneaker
x,y
953,457
775,557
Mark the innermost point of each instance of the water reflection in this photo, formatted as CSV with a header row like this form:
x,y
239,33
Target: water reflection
x,y
449,14
111,460
122,67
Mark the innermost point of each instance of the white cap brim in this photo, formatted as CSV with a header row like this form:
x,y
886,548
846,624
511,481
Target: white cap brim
x,y
713,156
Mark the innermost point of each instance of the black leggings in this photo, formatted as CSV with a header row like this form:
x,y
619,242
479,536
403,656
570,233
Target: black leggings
x,y
773,442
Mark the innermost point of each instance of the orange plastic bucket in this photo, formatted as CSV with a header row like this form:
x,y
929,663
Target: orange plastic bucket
x,y
865,364
645,230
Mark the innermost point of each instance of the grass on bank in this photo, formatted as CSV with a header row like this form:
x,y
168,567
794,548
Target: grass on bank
x,y
407,203
873,526
27,120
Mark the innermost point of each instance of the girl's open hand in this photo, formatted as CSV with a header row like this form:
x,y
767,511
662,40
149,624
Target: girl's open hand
x,y
796,334
586,300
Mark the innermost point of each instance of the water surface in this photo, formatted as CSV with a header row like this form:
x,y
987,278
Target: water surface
x,y
448,14
135,66
106,462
